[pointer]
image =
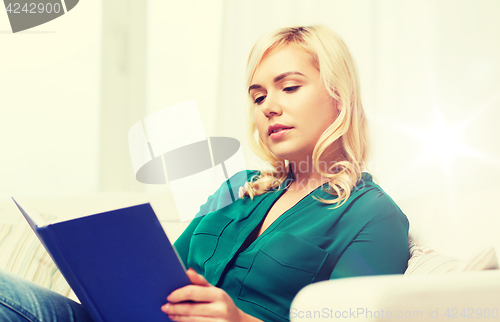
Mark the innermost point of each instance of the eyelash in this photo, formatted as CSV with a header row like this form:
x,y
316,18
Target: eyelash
x,y
259,100
289,89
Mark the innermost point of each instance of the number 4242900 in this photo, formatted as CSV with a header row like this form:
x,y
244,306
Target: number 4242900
x,y
34,8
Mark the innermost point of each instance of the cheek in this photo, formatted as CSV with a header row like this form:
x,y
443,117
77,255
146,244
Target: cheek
x,y
325,117
260,123
331,114
328,110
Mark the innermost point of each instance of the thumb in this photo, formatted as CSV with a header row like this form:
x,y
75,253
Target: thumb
x,y
196,278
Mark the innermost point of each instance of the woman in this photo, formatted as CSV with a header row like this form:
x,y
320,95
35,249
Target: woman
x,y
314,216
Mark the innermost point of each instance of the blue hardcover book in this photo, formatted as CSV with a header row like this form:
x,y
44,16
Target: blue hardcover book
x,y
119,263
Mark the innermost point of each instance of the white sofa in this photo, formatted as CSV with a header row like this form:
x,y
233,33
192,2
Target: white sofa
x,y
460,225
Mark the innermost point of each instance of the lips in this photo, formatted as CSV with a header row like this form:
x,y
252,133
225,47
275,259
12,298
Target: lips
x,y
277,128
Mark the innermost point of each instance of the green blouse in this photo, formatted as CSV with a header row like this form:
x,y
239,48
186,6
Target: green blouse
x,y
310,242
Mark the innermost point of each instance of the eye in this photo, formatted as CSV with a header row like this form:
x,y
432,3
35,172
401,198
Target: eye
x,y
290,89
259,100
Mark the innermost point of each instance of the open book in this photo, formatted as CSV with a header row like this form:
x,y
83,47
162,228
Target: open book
x,y
119,263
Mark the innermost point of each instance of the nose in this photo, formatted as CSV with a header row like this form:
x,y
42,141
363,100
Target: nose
x,y
271,107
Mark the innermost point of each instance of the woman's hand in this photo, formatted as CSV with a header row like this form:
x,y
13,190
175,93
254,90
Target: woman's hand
x,y
208,303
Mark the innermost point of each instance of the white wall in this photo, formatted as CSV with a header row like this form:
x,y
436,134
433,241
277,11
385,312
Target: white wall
x,y
49,105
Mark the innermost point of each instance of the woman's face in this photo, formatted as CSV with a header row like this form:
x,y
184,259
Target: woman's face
x,y
292,107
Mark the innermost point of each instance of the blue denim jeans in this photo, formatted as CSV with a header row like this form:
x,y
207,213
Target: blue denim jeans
x,y
21,300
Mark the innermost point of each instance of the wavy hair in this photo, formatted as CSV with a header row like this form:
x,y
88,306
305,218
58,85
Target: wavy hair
x,y
339,74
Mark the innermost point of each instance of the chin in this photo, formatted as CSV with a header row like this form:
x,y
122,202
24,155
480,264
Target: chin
x,y
289,151
290,156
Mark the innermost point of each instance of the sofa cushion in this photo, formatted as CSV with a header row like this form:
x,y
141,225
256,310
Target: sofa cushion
x,y
22,253
427,261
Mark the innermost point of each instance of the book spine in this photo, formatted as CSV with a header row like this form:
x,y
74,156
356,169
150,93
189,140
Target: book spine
x,y
56,252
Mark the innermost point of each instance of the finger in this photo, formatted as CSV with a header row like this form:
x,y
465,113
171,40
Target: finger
x,y
196,278
196,309
195,293
182,318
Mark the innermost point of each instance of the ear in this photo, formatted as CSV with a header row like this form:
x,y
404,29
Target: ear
x,y
338,105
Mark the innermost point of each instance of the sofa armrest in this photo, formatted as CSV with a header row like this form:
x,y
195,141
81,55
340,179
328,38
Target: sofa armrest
x,y
454,297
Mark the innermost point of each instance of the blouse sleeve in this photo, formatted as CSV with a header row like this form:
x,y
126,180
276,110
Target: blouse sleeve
x,y
381,247
225,195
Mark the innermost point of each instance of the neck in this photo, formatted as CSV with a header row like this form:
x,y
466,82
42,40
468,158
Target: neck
x,y
306,176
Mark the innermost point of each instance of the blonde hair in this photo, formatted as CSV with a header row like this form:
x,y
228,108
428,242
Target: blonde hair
x,y
339,74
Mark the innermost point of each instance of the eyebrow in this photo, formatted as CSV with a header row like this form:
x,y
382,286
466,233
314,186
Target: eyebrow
x,y
276,79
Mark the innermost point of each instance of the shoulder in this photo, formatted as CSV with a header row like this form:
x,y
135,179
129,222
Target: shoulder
x,y
372,202
370,193
227,192
240,178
